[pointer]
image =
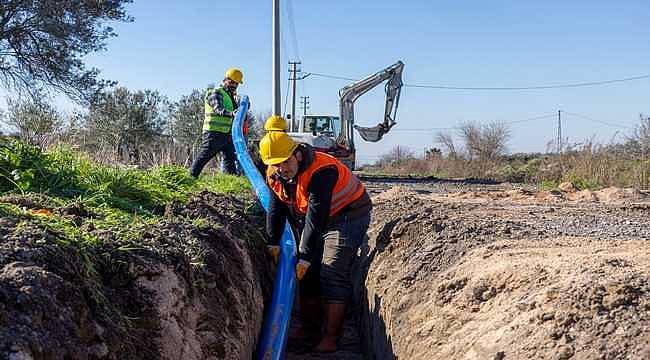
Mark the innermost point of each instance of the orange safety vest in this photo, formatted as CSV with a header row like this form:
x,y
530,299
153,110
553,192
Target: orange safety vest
x,y
348,188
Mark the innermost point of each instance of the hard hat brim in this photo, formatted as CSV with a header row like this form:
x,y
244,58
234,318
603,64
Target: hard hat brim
x,y
275,161
280,159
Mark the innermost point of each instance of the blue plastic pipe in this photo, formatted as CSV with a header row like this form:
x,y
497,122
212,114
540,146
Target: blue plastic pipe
x,y
276,320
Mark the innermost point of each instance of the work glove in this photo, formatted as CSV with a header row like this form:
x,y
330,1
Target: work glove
x,y
245,128
301,269
274,251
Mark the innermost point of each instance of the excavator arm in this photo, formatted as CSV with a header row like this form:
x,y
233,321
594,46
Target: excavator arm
x,y
349,95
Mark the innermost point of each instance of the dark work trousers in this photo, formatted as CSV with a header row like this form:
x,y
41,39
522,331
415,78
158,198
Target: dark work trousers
x,y
331,279
214,142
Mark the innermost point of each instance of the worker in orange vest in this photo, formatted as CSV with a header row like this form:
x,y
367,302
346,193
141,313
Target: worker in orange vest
x,y
332,208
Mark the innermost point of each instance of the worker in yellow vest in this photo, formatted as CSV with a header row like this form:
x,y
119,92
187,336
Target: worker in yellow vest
x,y
331,205
220,107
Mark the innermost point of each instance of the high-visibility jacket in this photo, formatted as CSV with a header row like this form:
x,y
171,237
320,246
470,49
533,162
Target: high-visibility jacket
x,y
212,121
348,188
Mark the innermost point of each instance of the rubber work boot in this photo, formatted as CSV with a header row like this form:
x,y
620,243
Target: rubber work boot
x,y
334,315
311,320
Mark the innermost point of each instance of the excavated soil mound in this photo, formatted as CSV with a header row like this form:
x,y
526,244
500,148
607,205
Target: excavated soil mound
x,y
455,279
190,287
566,192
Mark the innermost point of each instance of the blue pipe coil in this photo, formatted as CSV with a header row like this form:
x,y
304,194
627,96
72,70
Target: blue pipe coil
x,y
276,320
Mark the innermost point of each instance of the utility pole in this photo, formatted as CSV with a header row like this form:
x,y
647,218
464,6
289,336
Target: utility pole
x,y
304,100
559,131
294,76
276,59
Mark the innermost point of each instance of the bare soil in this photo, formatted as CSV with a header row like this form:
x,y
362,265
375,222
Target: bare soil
x,y
500,272
181,289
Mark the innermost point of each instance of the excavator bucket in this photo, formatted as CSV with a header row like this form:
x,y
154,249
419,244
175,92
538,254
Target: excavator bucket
x,y
372,134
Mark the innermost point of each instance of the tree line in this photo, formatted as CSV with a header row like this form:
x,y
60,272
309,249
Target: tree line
x,y
118,125
481,151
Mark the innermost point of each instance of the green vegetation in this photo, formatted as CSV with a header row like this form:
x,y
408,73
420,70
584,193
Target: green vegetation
x,y
121,199
67,174
548,185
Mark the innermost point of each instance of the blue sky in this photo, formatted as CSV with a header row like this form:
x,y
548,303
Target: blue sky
x,y
177,46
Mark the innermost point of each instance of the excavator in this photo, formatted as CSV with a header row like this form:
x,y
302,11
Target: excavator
x,y
334,134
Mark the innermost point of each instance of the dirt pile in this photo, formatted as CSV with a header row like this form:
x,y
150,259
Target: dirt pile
x,y
189,287
456,278
565,192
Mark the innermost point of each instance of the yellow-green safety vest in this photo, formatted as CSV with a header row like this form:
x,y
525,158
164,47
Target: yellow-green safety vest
x,y
213,122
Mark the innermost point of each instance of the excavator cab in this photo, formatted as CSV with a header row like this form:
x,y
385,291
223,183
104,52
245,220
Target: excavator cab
x,y
321,124
319,131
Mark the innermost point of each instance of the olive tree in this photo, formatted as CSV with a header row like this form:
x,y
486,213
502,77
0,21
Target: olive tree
x,y
126,122
33,120
42,43
187,119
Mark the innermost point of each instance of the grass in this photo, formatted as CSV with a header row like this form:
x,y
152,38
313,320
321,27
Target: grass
x,y
122,199
65,173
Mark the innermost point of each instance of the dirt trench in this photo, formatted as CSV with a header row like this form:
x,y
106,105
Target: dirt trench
x,y
507,273
190,287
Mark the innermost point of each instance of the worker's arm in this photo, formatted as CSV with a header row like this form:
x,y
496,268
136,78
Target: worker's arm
x,y
320,199
216,101
275,219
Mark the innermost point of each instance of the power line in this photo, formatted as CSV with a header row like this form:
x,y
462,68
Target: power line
x,y
598,121
330,76
538,87
592,83
292,28
458,127
530,119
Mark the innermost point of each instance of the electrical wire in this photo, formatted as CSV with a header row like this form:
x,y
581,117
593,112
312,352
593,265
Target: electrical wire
x,y
330,76
283,60
539,87
530,119
292,29
458,127
598,121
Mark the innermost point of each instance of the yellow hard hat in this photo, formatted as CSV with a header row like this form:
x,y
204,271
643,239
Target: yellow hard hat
x,y
275,123
276,147
235,75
